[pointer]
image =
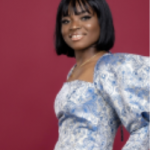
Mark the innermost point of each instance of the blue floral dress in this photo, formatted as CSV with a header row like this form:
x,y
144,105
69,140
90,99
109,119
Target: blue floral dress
x,y
90,113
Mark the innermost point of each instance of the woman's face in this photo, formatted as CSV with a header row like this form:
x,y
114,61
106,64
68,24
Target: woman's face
x,y
80,31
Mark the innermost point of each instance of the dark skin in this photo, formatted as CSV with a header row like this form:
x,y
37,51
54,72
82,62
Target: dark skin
x,y
86,26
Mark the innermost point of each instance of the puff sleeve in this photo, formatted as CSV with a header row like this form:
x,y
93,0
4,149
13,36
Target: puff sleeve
x,y
123,80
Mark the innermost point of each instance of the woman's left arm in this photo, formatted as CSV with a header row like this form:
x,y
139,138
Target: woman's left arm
x,y
125,85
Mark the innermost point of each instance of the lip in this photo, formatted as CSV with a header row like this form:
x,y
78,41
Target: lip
x,y
76,36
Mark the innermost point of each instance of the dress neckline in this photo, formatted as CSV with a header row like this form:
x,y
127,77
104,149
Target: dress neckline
x,y
82,81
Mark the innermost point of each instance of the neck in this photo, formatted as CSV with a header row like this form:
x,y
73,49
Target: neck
x,y
82,56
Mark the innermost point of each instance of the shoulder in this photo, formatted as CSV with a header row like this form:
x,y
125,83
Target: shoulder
x,y
70,71
114,71
118,60
122,65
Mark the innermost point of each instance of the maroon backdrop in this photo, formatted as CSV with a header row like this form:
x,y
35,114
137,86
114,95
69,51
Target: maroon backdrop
x,y
31,73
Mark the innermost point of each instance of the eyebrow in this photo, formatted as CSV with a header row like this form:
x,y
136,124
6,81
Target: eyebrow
x,y
77,13
81,12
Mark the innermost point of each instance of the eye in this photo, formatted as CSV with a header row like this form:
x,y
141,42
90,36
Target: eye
x,y
86,17
65,21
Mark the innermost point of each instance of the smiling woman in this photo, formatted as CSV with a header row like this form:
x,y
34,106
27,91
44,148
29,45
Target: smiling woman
x,y
90,17
88,29
103,90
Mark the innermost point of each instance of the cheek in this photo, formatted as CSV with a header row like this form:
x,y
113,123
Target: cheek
x,y
89,26
93,29
64,33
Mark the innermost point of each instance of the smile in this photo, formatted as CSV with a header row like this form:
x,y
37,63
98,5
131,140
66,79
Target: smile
x,y
76,37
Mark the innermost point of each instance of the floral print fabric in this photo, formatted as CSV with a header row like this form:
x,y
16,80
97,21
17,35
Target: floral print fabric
x,y
90,113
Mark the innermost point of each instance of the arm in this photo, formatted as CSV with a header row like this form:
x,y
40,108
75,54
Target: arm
x,y
125,86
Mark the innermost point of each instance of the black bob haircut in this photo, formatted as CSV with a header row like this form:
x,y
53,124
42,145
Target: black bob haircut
x,y
101,8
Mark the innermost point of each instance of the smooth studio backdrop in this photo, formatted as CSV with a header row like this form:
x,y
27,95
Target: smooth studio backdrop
x,y
31,73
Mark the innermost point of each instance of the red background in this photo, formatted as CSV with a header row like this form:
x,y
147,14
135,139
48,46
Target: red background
x,y
31,73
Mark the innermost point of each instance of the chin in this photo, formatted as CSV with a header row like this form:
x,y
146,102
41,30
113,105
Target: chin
x,y
76,48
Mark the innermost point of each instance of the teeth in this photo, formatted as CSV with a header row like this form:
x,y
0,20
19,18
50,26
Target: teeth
x,y
76,36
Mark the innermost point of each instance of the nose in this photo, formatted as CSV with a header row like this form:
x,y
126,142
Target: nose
x,y
75,25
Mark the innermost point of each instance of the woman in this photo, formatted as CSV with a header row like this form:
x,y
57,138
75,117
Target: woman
x,y
102,89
